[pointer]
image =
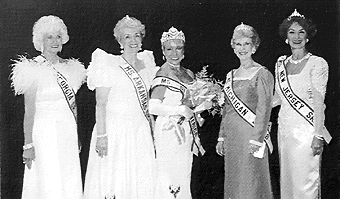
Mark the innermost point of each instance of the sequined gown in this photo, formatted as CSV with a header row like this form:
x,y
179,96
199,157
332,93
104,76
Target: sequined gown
x,y
300,177
55,172
128,170
247,177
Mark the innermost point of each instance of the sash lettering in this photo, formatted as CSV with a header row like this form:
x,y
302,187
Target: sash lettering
x,y
295,102
68,92
242,108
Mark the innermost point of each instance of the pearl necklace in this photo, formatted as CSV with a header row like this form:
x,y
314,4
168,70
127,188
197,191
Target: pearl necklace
x,y
173,65
299,60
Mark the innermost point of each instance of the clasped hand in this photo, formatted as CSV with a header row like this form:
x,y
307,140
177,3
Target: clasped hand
x,y
101,146
28,156
317,146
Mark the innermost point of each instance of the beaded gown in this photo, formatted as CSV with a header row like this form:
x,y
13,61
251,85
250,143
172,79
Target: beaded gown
x,y
128,170
55,172
300,177
246,176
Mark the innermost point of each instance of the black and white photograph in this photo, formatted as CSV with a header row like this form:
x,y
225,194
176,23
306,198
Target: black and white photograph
x,y
169,99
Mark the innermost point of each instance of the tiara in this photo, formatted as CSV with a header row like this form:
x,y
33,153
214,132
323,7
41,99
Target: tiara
x,y
242,26
128,20
295,14
173,33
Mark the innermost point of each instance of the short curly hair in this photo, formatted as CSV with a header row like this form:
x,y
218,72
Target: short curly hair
x,y
47,24
243,30
306,24
128,22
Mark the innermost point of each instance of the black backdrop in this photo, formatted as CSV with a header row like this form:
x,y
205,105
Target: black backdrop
x,y
208,26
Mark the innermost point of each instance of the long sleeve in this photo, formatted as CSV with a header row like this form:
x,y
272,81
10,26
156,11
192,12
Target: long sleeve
x,y
265,84
319,78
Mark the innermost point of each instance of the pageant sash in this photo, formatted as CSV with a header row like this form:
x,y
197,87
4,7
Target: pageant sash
x,y
295,102
242,108
140,88
178,87
68,92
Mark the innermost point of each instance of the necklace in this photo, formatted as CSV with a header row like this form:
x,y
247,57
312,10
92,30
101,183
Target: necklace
x,y
299,60
173,65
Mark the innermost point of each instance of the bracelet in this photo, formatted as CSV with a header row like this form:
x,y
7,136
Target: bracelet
x,y
102,135
28,146
220,139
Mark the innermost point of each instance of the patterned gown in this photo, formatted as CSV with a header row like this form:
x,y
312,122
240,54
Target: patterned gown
x,y
55,173
128,170
300,177
247,177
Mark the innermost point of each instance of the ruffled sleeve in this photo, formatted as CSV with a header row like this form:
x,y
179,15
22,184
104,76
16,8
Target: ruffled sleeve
x,y
24,73
76,72
98,72
319,75
149,61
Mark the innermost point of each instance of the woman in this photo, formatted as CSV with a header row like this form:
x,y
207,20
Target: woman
x,y
174,139
122,158
243,132
49,84
300,90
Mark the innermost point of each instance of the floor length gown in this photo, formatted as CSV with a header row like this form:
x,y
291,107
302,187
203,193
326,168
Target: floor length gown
x,y
55,172
247,177
128,170
174,159
299,169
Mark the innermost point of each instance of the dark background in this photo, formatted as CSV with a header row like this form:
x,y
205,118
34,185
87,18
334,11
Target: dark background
x,y
208,27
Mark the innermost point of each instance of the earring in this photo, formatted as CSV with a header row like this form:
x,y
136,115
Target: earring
x,y
121,49
163,58
286,41
307,40
253,51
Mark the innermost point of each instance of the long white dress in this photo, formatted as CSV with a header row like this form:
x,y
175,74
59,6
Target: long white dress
x,y
174,157
300,170
55,173
128,170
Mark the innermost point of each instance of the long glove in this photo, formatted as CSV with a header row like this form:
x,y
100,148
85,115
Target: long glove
x,y
157,107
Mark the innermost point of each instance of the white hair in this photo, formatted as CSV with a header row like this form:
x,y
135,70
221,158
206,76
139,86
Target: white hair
x,y
47,24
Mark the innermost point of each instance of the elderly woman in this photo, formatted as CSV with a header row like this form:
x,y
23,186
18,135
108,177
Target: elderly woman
x,y
301,81
243,137
175,127
122,156
49,84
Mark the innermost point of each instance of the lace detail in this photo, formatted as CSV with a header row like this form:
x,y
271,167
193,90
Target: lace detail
x,y
319,75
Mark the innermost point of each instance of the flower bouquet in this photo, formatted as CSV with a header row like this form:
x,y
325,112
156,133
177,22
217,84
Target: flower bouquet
x,y
206,94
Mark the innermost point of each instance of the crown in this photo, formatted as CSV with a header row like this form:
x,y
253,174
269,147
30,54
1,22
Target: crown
x,y
242,26
295,14
173,33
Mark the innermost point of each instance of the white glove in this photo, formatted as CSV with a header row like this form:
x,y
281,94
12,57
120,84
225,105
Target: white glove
x,y
156,107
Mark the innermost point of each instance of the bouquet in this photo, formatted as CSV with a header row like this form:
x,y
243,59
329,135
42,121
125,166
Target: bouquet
x,y
206,94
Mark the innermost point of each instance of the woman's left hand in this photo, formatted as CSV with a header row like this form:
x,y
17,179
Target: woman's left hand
x,y
317,146
253,148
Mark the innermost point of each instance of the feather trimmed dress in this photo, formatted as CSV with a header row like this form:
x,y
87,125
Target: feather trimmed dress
x,y
128,170
55,172
300,170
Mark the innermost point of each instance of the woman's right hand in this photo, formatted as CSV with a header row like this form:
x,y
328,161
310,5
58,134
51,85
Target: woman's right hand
x,y
220,148
28,156
101,146
185,111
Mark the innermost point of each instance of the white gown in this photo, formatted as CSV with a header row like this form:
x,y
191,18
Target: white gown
x,y
174,159
128,170
300,170
55,173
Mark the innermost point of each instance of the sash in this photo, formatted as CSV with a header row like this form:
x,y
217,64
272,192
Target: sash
x,y
242,108
68,92
140,88
176,86
295,102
